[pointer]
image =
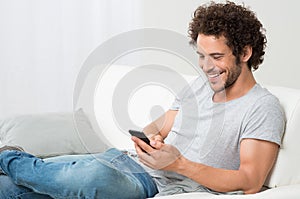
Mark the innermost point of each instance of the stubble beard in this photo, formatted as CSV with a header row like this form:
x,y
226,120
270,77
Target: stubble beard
x,y
231,79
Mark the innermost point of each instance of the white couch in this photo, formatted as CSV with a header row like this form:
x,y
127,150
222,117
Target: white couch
x,y
96,128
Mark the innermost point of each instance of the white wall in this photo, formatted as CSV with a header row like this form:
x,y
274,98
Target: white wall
x,y
280,18
44,43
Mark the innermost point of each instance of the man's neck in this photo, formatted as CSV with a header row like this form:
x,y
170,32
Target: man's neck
x,y
241,87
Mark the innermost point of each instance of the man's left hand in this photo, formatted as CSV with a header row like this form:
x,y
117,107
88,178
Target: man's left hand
x,y
158,156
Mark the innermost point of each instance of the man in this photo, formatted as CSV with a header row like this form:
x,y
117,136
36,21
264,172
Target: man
x,y
220,136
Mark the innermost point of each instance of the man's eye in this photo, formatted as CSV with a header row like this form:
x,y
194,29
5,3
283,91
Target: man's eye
x,y
217,57
201,57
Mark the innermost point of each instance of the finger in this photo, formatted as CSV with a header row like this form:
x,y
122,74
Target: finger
x,y
142,144
158,138
144,158
138,150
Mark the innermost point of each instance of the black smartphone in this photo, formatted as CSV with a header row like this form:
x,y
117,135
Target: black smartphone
x,y
140,135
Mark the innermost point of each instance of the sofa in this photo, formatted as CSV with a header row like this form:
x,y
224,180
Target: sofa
x,y
93,126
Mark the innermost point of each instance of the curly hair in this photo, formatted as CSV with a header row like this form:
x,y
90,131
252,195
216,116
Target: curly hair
x,y
236,23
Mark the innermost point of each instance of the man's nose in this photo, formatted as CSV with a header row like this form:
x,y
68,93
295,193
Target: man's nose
x,y
207,64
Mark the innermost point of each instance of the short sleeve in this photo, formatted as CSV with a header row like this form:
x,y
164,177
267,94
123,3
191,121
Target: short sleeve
x,y
175,105
265,120
179,97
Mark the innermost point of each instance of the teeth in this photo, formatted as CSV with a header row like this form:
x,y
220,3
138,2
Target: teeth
x,y
213,75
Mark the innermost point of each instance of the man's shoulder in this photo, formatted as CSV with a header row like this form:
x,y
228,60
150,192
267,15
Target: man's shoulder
x,y
266,103
258,100
263,95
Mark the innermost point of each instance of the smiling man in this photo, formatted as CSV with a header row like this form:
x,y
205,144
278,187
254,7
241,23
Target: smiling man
x,y
220,136
230,144
226,74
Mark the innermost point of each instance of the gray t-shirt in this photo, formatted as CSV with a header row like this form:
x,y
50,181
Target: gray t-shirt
x,y
210,133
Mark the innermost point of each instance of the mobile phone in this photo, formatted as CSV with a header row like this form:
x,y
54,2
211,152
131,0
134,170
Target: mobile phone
x,y
140,135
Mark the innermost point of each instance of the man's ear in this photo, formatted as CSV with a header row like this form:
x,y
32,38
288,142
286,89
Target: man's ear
x,y
247,53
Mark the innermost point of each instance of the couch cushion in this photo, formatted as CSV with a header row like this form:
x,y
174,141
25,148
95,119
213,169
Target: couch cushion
x,y
50,134
147,101
286,170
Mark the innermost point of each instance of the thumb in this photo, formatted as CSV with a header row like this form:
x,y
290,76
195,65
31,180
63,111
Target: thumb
x,y
156,144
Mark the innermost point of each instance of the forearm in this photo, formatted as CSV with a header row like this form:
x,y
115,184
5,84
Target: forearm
x,y
151,129
257,157
220,180
162,125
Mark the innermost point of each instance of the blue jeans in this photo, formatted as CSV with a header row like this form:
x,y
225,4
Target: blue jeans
x,y
111,174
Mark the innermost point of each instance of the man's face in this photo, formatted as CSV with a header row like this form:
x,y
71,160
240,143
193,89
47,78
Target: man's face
x,y
217,62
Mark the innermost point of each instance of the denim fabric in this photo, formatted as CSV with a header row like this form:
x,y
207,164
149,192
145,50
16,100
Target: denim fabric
x,y
111,174
9,190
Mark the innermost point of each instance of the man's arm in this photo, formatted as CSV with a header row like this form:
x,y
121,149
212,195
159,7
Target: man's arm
x,y
161,126
256,160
